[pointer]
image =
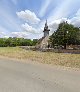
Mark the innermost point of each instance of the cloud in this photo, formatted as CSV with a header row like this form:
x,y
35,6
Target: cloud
x,y
31,21
25,35
28,28
59,13
3,32
44,7
19,34
61,10
28,16
31,29
54,24
76,19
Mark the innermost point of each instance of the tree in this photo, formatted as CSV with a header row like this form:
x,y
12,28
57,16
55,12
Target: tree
x,y
12,42
34,42
66,34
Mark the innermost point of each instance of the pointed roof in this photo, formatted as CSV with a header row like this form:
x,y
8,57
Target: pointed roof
x,y
46,23
46,27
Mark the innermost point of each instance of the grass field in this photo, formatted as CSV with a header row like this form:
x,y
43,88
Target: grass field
x,y
68,60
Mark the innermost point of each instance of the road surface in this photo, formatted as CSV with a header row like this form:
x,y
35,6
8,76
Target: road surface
x,y
27,77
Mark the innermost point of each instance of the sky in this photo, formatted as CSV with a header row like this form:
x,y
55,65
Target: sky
x,y
26,18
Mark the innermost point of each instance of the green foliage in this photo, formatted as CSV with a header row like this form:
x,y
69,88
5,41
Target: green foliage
x,y
65,34
34,42
12,42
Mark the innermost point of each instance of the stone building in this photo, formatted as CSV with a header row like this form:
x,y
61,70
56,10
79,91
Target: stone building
x,y
44,41
46,30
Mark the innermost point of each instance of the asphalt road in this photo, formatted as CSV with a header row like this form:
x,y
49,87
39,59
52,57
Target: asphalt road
x,y
27,77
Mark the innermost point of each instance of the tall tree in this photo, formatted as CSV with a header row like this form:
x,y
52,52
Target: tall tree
x,y
66,34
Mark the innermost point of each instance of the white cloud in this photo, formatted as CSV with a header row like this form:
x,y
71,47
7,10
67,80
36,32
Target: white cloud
x,y
25,35
19,34
31,29
30,19
76,19
59,15
53,25
44,7
28,28
58,8
28,16
53,22
3,32
61,10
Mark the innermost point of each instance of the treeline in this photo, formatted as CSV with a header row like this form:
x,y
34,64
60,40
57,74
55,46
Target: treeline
x,y
12,42
66,34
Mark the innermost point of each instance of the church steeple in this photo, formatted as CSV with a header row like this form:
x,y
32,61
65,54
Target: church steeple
x,y
46,24
46,30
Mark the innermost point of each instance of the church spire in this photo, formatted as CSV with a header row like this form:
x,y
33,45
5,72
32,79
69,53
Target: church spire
x,y
46,23
46,30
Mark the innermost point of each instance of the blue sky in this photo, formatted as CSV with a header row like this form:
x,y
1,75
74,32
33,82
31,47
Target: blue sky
x,y
26,18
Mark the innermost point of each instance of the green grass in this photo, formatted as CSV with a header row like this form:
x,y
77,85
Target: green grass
x,y
68,60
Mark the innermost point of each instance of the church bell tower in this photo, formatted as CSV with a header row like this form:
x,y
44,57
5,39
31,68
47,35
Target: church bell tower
x,y
46,30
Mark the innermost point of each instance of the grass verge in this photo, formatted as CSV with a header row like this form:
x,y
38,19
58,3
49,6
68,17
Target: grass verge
x,y
68,60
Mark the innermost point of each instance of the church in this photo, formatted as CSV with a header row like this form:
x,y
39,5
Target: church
x,y
44,41
46,30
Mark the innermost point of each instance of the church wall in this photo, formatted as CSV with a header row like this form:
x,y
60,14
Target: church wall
x,y
46,33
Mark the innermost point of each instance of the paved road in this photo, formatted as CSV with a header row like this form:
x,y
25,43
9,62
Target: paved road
x,y
27,77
